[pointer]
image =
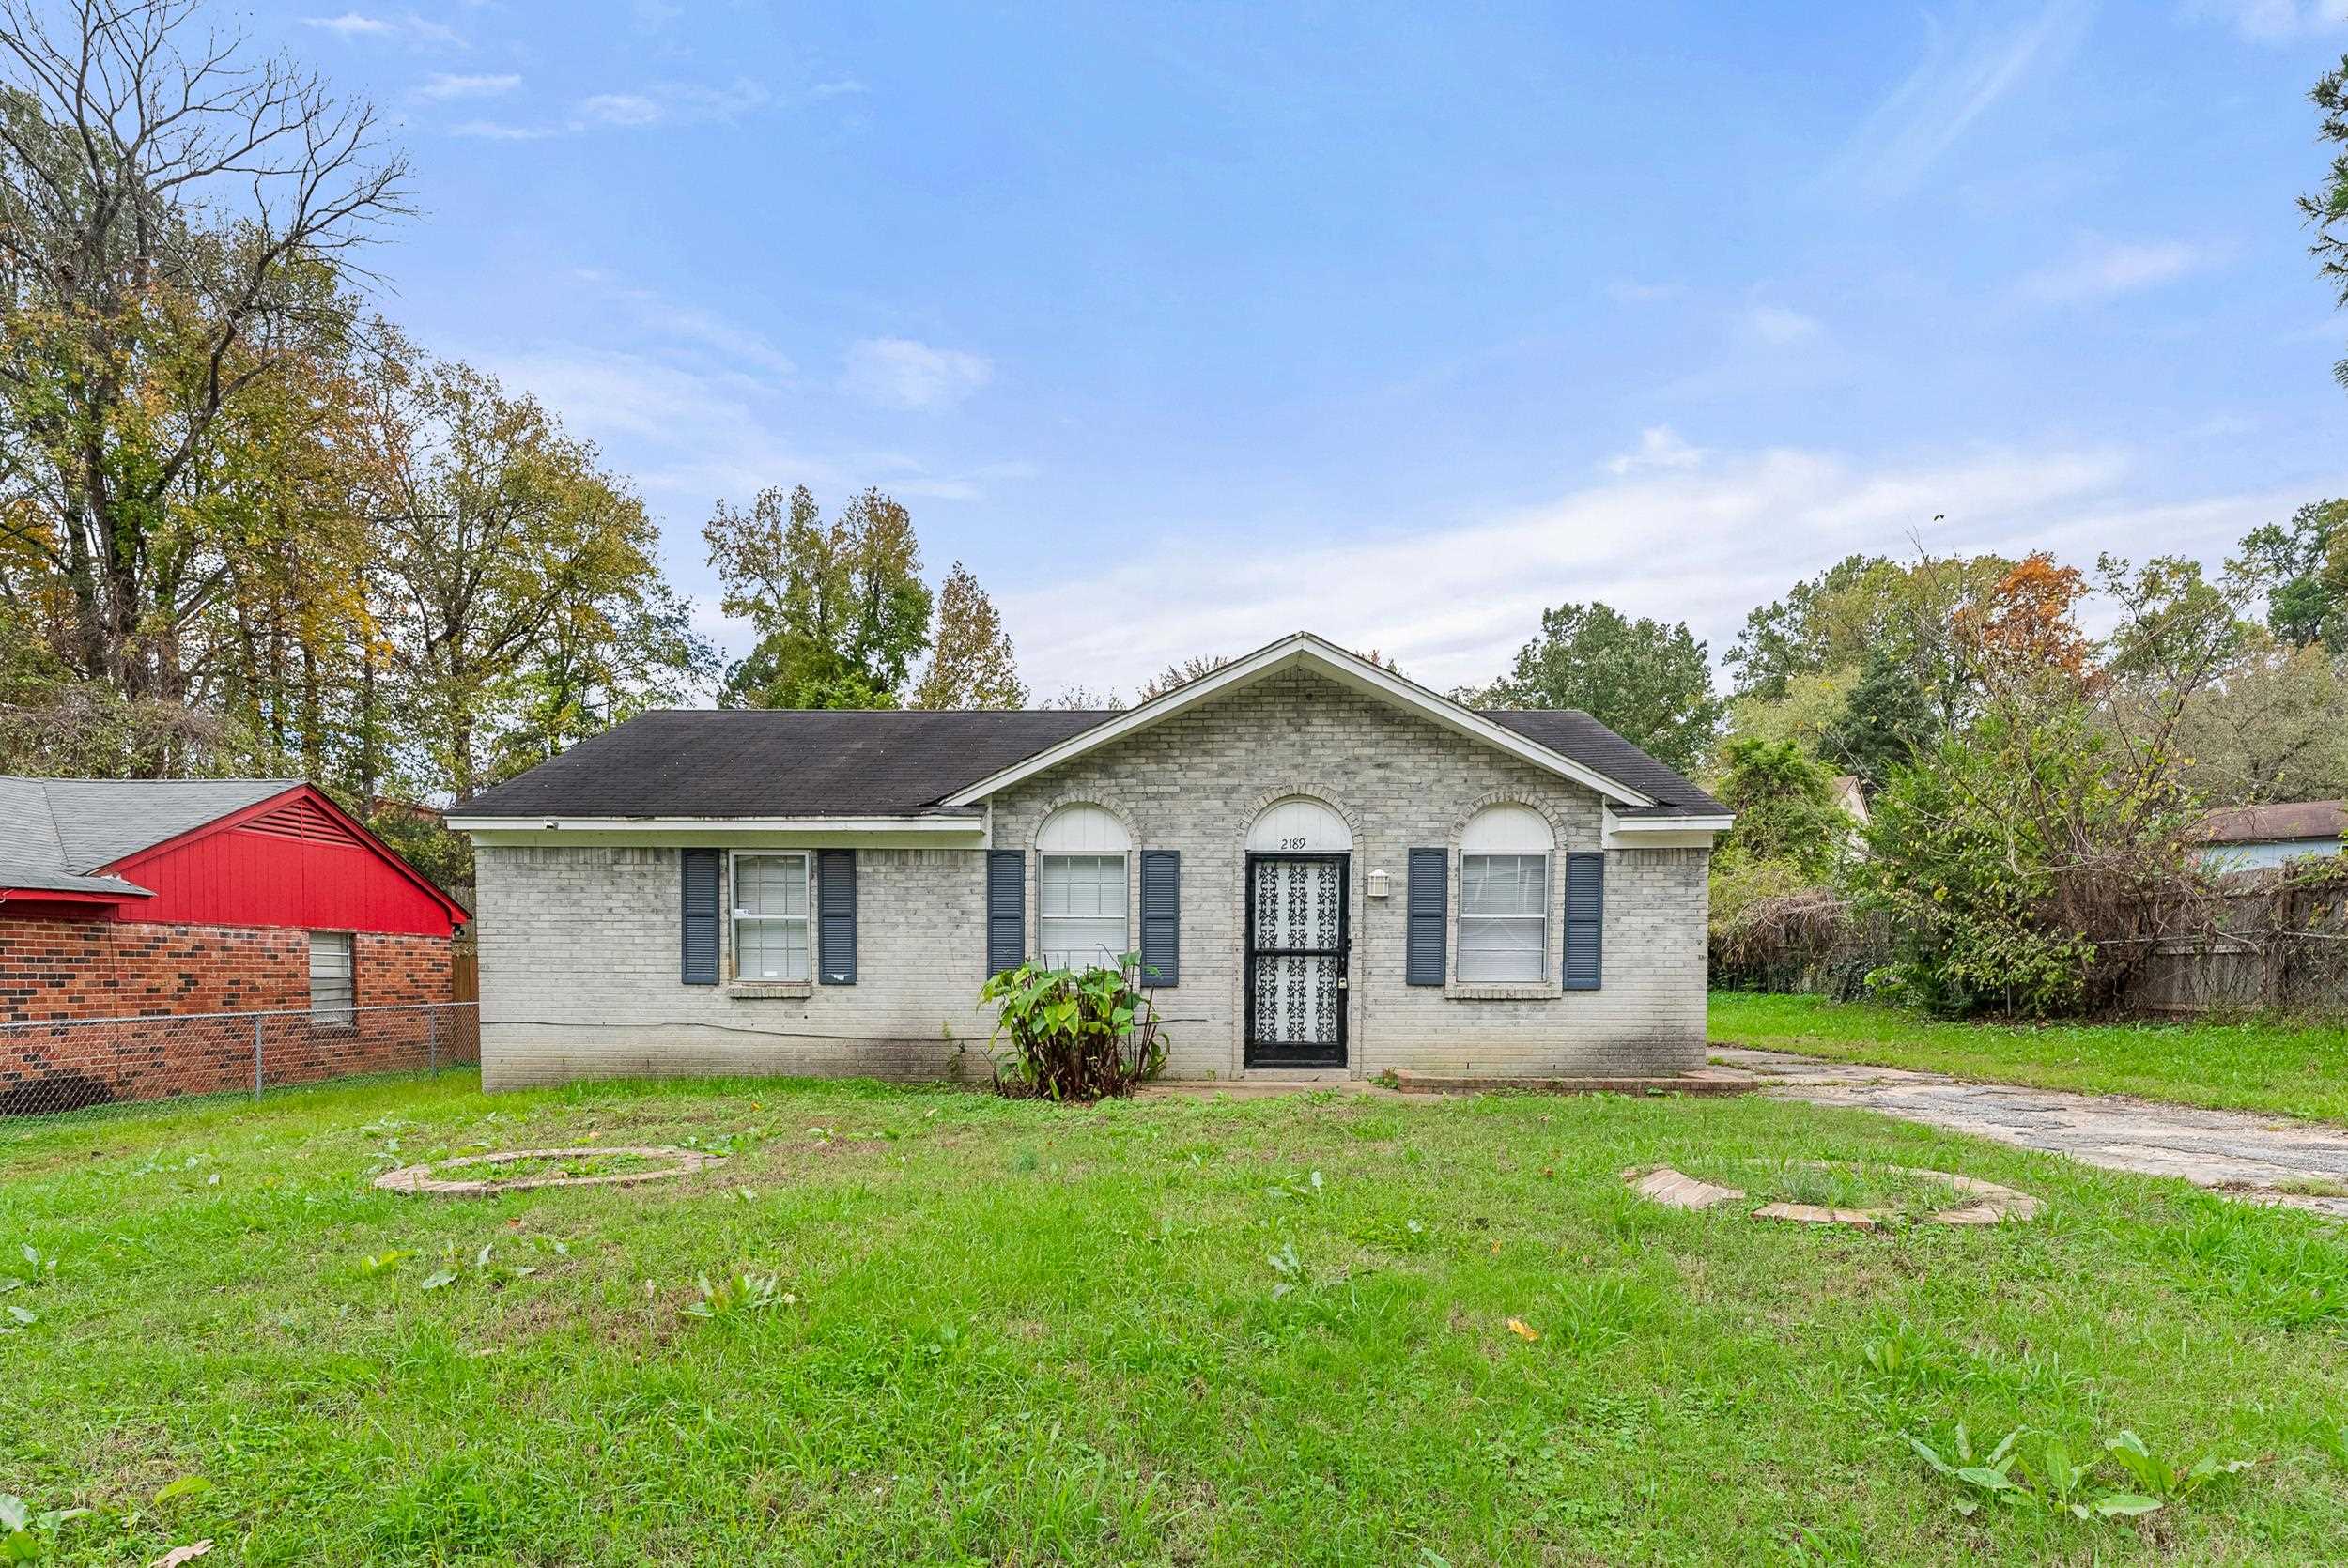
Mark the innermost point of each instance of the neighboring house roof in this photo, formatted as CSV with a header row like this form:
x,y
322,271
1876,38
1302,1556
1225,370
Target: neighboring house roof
x,y
2277,823
55,832
793,765
99,821
62,835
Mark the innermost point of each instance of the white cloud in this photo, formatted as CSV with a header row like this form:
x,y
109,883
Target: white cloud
x,y
441,86
1961,77
497,131
1778,327
662,103
1660,447
2272,19
843,86
2102,268
901,373
620,109
696,330
406,27
1701,545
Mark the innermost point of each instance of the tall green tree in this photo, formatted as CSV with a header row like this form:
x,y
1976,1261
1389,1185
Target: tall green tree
x,y
972,664
1786,807
840,609
2302,568
1650,683
1884,722
2326,208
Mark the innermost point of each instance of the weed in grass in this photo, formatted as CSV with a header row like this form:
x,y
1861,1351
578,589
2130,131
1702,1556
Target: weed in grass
x,y
737,1295
2051,1479
458,1266
29,1537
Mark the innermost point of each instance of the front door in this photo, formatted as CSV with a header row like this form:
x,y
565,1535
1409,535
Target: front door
x,y
1296,961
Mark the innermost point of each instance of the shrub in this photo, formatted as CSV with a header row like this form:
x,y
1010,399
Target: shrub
x,y
1075,1034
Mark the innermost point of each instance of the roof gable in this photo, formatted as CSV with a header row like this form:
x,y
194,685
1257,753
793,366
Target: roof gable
x,y
1304,651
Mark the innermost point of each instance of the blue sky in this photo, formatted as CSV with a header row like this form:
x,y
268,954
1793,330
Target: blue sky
x,y
1188,327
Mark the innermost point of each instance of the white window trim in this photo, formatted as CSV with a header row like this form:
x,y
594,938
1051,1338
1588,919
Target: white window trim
x,y
735,919
1043,943
1461,915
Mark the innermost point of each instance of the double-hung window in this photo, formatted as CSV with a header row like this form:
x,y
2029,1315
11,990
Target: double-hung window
x,y
1504,898
1081,890
770,926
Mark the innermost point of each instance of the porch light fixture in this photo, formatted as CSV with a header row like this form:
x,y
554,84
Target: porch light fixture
x,y
1377,885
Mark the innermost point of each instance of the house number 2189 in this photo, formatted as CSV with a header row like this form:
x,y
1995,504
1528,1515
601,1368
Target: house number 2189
x,y
1292,843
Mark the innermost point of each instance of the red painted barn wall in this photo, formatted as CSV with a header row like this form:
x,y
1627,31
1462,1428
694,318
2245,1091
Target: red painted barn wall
x,y
294,865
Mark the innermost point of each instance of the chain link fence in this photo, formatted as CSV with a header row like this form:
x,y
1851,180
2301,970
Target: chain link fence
x,y
60,1065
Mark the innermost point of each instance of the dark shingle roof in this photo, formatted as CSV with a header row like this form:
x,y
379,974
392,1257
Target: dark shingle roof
x,y
1571,733
53,831
764,762
777,762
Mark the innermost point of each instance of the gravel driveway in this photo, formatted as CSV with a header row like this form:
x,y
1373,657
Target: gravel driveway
x,y
2241,1154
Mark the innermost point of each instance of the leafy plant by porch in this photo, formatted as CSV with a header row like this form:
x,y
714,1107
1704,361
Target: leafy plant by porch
x,y
1075,1034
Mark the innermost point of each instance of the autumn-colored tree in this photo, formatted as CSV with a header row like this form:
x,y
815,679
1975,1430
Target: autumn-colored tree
x,y
2023,627
507,553
170,224
972,664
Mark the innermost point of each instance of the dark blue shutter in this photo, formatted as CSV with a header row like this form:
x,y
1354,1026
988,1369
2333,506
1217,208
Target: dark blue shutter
x,y
1585,920
1006,910
1427,899
1161,917
835,908
702,871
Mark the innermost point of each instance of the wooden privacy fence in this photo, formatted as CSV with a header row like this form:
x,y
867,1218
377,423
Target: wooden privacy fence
x,y
2269,940
2278,944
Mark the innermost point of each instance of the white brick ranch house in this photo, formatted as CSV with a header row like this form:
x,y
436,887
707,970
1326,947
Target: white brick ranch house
x,y
1323,865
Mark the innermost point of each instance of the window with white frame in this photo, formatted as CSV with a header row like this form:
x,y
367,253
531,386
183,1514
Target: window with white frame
x,y
332,978
770,930
1080,893
1504,897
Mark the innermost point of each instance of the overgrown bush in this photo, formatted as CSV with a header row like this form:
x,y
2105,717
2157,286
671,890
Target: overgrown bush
x,y
1075,1034
2025,869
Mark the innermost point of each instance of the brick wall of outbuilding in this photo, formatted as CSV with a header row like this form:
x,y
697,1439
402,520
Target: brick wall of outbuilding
x,y
157,975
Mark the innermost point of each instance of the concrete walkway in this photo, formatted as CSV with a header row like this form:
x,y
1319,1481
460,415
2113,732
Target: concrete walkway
x,y
2241,1154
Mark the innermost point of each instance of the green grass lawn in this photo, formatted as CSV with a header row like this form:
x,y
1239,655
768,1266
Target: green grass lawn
x,y
2296,1070
1167,1331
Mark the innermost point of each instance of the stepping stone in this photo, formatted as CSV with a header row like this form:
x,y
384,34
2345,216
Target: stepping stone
x,y
1674,1191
